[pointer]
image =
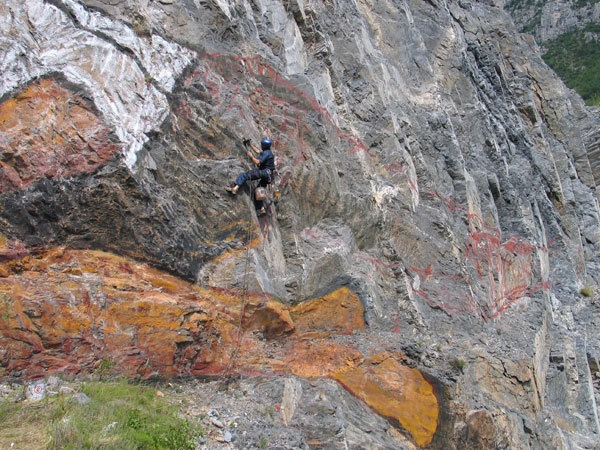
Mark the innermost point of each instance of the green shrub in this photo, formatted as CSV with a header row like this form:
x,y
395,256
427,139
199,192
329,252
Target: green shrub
x,y
458,364
586,291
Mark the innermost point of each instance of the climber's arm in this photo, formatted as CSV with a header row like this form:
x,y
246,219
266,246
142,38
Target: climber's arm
x,y
254,159
248,143
254,148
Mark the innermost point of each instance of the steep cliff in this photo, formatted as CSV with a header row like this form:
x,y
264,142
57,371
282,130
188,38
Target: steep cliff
x,y
549,19
434,249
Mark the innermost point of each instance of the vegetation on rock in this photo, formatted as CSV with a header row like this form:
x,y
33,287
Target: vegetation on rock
x,y
574,53
575,57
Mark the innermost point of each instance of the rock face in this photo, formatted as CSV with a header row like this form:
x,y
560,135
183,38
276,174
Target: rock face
x,y
78,312
50,133
549,19
436,226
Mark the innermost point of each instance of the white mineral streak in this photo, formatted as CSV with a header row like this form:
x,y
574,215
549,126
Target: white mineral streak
x,y
224,5
292,394
163,60
294,49
38,39
291,48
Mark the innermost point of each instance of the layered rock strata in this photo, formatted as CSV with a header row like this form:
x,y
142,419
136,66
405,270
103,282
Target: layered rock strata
x,y
430,166
83,312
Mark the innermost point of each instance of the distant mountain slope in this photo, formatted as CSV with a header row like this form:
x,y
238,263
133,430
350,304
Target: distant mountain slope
x,y
569,33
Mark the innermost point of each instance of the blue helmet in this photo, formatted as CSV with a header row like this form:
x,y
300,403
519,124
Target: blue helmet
x,y
265,144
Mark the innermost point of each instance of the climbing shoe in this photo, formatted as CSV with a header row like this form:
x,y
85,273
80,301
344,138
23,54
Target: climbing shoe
x,y
232,189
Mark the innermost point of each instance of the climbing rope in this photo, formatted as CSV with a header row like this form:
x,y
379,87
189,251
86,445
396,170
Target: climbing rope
x,y
229,369
231,364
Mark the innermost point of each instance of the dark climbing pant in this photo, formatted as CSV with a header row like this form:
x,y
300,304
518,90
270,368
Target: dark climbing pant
x,y
264,175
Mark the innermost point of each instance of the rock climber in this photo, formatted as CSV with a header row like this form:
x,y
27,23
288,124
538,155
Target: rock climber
x,y
266,166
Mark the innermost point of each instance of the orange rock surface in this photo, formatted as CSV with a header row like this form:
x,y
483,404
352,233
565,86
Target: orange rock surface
x,y
395,391
76,311
49,131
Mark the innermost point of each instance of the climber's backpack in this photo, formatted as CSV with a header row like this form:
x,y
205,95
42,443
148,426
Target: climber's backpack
x,y
260,193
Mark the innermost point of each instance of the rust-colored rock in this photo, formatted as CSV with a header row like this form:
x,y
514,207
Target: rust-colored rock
x,y
336,312
10,250
76,311
48,131
397,392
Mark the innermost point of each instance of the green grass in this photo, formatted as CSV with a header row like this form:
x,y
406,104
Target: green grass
x,y
120,415
577,61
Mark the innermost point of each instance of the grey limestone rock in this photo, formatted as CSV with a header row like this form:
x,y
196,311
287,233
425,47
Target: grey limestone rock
x,y
428,159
